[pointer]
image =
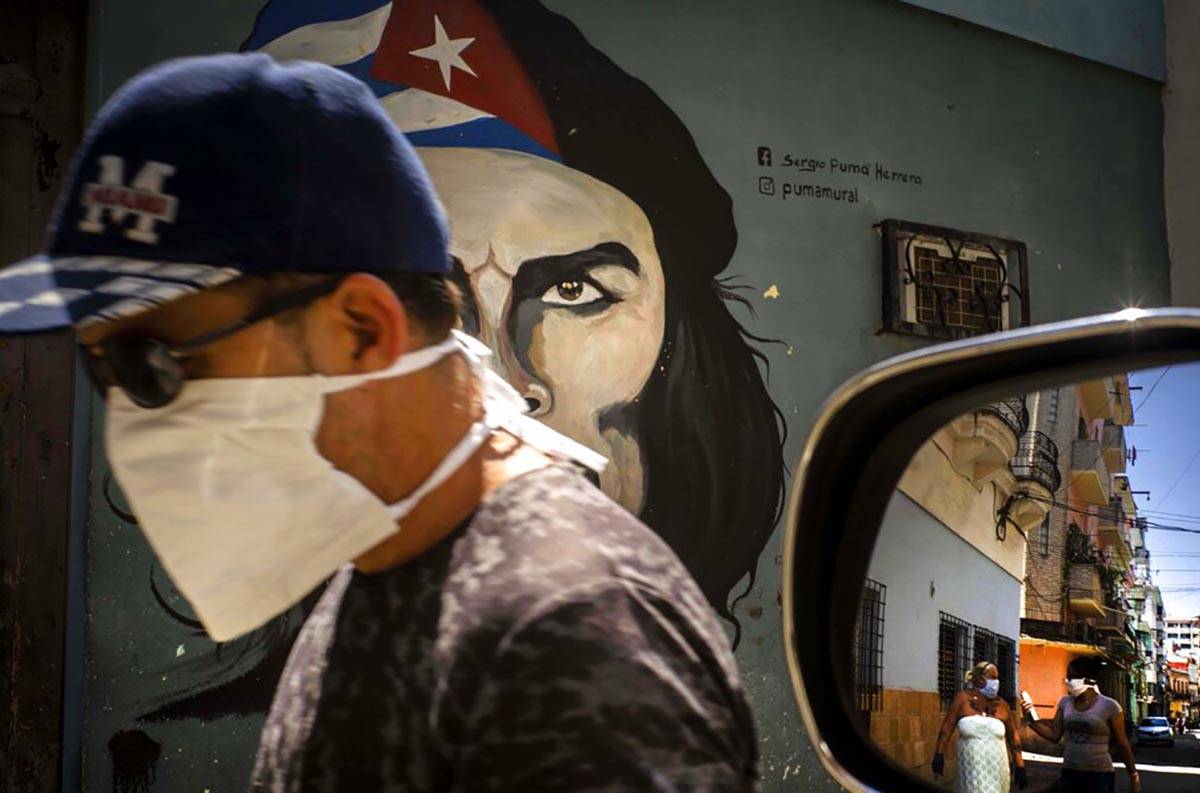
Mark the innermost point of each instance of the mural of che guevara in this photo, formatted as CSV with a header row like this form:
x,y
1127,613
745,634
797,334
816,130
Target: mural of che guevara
x,y
590,238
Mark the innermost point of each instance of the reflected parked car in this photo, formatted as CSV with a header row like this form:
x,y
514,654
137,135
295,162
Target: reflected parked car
x,y
1153,729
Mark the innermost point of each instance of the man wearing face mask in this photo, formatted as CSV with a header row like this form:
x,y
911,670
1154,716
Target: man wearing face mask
x,y
1089,721
266,312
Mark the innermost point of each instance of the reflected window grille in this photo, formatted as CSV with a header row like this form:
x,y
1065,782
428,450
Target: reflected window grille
x,y
1037,461
954,655
984,646
1006,663
868,647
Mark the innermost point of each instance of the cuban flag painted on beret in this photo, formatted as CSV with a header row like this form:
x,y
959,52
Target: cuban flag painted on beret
x,y
441,68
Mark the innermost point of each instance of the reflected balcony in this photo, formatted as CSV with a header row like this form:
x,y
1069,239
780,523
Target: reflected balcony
x,y
1098,398
1013,412
986,439
1036,479
1121,489
1113,622
1085,595
1036,461
1113,528
1119,647
1080,633
1122,400
1113,445
1089,472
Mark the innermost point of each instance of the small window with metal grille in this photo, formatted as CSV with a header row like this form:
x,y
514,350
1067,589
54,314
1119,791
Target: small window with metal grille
x,y
954,655
948,284
1006,662
1044,537
868,647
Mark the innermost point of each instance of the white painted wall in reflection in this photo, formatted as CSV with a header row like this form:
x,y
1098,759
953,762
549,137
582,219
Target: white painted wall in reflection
x,y
915,550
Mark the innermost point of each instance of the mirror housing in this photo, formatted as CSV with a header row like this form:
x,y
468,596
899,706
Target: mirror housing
x,y
858,448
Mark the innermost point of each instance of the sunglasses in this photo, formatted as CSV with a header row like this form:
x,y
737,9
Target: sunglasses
x,y
151,372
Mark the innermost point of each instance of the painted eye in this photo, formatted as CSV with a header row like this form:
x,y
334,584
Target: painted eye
x,y
571,293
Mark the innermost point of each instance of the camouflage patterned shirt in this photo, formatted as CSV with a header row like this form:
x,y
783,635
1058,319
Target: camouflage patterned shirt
x,y
551,643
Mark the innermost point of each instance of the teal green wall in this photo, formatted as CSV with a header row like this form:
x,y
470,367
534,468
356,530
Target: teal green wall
x,y
1008,137
1126,34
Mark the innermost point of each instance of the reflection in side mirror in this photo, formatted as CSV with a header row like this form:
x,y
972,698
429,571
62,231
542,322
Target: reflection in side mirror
x,y
896,582
1014,556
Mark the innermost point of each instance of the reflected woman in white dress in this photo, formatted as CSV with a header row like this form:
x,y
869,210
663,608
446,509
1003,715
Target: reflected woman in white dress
x,y
988,743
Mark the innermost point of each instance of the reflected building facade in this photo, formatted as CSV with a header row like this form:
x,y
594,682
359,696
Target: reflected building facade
x,y
1088,590
947,574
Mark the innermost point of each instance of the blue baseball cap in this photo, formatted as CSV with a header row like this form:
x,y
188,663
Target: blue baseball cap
x,y
201,170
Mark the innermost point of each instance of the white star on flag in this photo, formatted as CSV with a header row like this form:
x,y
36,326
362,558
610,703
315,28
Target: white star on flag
x,y
446,52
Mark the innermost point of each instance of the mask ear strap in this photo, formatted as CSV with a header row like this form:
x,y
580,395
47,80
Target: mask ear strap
x,y
479,432
471,347
503,407
496,414
543,438
406,364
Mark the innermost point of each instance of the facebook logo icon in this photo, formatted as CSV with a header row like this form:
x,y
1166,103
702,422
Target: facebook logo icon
x,y
764,155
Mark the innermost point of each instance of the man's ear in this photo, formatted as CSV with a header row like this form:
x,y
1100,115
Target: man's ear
x,y
366,313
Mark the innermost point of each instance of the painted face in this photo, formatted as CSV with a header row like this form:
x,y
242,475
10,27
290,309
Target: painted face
x,y
565,286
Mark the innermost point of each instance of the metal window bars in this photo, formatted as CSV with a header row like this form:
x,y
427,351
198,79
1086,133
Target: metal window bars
x,y
984,642
948,284
1006,662
868,647
961,645
954,654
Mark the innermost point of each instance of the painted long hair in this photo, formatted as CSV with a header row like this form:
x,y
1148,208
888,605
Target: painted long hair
x,y
711,438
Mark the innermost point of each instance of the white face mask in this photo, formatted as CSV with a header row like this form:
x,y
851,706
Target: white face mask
x,y
1077,686
245,514
990,688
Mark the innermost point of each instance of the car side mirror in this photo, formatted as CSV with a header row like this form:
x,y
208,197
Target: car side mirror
x,y
941,471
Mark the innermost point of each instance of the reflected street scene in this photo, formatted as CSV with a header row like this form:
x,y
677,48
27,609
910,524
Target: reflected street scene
x,y
1029,620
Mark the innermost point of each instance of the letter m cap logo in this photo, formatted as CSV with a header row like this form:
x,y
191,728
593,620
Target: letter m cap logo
x,y
110,199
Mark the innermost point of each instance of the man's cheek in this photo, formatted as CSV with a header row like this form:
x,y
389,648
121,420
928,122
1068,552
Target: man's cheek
x,y
346,421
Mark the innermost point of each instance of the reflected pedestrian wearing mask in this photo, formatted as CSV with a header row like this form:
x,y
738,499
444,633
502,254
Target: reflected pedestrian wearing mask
x,y
1089,721
988,742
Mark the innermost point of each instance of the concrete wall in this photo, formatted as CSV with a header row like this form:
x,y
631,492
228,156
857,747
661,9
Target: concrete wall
x,y
1126,34
1181,105
970,512
927,569
1008,137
